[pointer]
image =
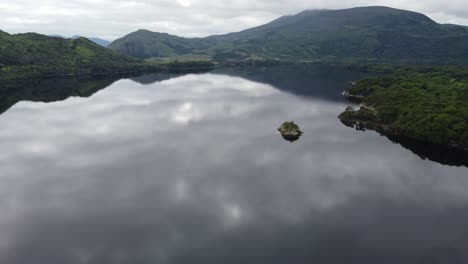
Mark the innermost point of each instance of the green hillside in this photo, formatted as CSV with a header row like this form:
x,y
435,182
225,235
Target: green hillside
x,y
31,55
146,44
365,33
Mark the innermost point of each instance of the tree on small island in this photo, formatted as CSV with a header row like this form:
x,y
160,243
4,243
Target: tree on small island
x,y
290,131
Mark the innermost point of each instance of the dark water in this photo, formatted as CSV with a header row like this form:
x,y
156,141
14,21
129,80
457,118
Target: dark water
x,y
190,169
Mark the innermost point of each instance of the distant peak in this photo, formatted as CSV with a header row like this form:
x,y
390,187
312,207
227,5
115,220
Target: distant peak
x,y
144,31
375,7
359,8
149,33
369,11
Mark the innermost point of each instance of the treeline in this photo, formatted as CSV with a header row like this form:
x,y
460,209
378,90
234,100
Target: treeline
x,y
174,65
428,104
47,70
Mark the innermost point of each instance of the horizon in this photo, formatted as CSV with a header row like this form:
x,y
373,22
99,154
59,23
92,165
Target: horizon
x,y
113,23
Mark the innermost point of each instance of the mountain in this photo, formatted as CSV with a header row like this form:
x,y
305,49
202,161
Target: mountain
x,y
369,33
146,44
31,54
99,41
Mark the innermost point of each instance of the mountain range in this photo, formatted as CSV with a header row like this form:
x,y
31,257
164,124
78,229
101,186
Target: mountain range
x,y
363,33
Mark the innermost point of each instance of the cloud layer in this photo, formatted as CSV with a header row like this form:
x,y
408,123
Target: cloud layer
x,y
111,19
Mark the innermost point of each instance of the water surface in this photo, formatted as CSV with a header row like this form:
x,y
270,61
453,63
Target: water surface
x,y
190,169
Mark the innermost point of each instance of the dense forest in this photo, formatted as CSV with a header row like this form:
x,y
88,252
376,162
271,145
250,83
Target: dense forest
x,y
427,104
33,55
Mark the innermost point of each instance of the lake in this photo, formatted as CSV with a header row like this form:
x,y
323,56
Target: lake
x,y
189,168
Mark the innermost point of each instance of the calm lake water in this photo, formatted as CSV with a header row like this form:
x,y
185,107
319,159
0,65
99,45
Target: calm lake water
x,y
190,168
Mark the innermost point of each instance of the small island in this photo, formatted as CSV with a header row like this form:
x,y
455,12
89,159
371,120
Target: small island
x,y
290,131
424,104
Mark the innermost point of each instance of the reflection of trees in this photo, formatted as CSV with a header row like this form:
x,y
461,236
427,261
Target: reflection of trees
x,y
432,152
319,81
424,150
58,89
49,90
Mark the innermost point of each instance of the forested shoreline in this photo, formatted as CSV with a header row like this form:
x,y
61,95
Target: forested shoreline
x,y
429,104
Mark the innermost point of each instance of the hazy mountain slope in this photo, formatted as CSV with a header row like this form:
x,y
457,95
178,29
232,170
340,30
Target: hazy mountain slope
x,y
99,41
374,33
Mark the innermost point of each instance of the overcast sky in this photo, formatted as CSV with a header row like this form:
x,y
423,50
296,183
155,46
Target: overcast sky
x,y
110,19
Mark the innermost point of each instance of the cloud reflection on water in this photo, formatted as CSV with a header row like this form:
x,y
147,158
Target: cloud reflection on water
x,y
192,170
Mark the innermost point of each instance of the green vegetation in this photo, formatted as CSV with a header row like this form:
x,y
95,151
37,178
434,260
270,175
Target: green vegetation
x,y
183,65
289,127
367,34
290,131
33,55
427,104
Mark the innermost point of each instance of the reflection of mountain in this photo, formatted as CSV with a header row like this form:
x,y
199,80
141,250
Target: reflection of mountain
x,y
58,89
314,80
162,76
49,90
154,77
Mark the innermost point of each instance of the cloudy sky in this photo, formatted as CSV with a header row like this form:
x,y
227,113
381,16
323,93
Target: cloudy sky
x,y
111,19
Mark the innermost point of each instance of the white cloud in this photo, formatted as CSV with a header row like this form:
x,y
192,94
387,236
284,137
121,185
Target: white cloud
x,y
185,3
114,18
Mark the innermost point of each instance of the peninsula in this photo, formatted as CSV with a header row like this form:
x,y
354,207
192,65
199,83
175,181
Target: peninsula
x,y
425,104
